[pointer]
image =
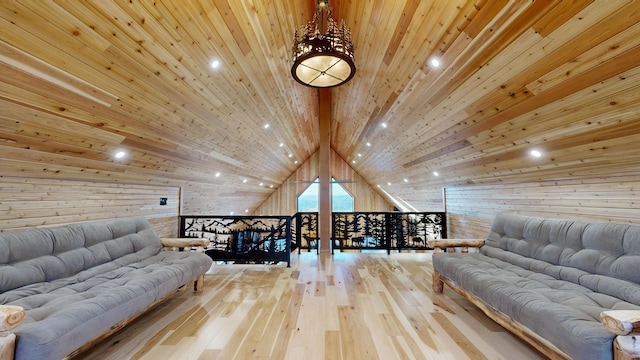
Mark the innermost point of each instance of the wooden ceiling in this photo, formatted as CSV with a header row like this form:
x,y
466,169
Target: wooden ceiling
x,y
83,79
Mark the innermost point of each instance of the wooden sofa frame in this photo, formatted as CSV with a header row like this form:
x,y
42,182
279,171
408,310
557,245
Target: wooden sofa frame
x,y
624,323
12,316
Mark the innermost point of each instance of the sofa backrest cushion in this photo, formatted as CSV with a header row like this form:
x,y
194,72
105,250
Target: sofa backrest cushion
x,y
601,248
45,254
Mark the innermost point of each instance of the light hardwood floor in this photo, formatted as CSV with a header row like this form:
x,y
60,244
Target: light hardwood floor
x,y
346,306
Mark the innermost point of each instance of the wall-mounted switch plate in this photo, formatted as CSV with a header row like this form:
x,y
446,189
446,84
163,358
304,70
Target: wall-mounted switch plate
x,y
163,201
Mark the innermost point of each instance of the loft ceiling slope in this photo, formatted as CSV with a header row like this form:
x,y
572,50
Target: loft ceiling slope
x,y
83,80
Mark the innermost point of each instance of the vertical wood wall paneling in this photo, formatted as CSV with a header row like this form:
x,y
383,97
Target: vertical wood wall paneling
x,y
471,209
284,200
29,202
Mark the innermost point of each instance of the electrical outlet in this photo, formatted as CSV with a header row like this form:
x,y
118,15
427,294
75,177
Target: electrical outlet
x,y
163,201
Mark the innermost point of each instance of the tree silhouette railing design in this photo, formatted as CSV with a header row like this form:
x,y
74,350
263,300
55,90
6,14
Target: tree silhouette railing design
x,y
386,230
264,239
242,239
305,232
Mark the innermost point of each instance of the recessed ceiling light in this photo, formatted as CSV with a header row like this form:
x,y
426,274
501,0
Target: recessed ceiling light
x,y
244,181
536,153
359,155
261,184
368,144
384,125
120,154
405,180
246,210
295,162
231,213
281,144
389,183
290,155
215,64
378,185
435,62
270,186
266,126
353,161
218,174
435,173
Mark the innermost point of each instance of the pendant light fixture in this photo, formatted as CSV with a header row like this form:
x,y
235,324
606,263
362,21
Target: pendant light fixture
x,y
323,54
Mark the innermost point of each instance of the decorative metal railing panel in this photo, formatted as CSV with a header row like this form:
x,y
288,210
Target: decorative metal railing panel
x,y
271,238
360,230
258,239
412,230
386,231
305,233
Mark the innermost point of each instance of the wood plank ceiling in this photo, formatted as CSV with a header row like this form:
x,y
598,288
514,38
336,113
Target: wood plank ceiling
x,y
82,79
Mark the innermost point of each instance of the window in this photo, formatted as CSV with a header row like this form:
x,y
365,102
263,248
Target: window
x,y
309,201
341,200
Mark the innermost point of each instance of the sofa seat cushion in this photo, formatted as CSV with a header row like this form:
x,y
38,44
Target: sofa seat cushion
x,y
563,312
63,314
621,289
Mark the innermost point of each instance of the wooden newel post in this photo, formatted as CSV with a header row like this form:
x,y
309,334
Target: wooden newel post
x,y
10,317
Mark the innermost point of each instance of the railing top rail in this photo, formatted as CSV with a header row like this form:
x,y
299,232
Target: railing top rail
x,y
390,212
236,216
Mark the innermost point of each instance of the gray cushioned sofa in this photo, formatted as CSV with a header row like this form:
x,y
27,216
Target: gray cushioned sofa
x,y
552,279
78,281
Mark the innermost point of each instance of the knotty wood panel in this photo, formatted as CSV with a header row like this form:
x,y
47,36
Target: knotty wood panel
x,y
82,79
26,202
471,209
415,198
284,201
461,130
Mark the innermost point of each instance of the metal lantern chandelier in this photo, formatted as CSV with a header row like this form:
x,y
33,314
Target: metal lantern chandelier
x,y
322,51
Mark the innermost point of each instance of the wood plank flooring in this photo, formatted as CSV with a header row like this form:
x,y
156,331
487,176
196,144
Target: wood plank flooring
x,y
347,306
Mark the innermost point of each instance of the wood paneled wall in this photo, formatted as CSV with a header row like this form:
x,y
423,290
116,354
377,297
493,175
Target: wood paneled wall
x,y
285,199
365,196
471,209
33,202
414,197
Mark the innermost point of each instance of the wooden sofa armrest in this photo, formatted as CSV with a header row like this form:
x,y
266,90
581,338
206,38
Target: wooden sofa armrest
x,y
10,317
625,324
622,322
465,244
174,244
184,242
